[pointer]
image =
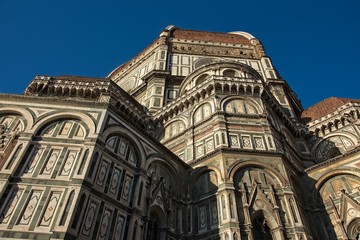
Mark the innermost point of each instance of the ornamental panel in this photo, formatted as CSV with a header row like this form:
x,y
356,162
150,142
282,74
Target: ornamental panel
x,y
51,161
33,160
105,224
115,181
90,219
10,205
119,228
103,170
127,187
29,210
50,209
69,163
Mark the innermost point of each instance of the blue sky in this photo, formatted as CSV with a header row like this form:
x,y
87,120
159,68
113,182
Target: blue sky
x,y
315,45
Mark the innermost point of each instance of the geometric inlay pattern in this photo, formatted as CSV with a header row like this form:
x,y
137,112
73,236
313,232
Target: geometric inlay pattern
x,y
119,228
258,142
246,141
50,209
70,159
30,207
202,213
34,158
51,161
127,185
90,219
105,224
115,181
102,173
11,205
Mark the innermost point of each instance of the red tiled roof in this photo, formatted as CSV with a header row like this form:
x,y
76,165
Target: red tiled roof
x,y
192,35
324,107
210,36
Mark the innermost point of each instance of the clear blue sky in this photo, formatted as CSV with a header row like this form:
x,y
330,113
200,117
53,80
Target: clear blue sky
x,y
315,45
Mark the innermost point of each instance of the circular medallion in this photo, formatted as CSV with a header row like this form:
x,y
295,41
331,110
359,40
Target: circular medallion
x,y
259,203
352,212
159,200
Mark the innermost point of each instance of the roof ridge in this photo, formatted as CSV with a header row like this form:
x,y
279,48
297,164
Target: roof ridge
x,y
325,107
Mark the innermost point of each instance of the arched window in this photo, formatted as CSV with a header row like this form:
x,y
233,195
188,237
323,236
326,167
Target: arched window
x,y
229,73
202,113
123,148
93,164
67,209
206,184
333,186
14,156
227,236
66,128
81,203
174,129
235,106
82,164
333,146
201,79
235,236
12,123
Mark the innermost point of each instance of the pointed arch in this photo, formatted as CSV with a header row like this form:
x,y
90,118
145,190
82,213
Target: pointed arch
x,y
267,168
197,172
26,113
333,144
332,174
202,112
117,130
171,171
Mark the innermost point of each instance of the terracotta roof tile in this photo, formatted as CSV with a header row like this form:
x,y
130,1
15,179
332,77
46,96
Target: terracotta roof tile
x,y
194,35
210,36
324,107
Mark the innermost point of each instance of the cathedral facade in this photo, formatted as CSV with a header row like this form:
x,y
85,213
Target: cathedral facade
x,y
196,137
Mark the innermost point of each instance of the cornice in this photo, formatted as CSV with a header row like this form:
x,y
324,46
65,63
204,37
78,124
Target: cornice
x,y
48,100
234,150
